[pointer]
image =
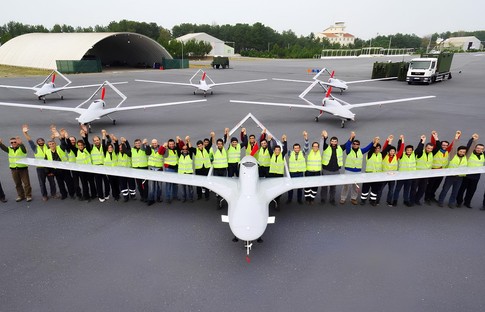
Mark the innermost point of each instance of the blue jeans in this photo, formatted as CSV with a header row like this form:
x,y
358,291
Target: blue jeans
x,y
154,187
171,189
453,182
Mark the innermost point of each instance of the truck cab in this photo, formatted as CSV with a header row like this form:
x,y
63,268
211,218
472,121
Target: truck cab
x,y
422,70
430,68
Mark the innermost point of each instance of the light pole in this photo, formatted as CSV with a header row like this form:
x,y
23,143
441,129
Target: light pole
x,y
182,66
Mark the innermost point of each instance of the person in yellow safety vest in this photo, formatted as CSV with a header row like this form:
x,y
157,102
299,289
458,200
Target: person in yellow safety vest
x,y
353,164
55,153
297,168
155,163
457,160
87,179
171,153
475,158
139,160
186,166
220,164
111,160
234,152
373,163
332,161
69,145
441,152
389,164
69,157
127,185
42,176
277,164
424,161
20,173
202,164
263,155
407,162
97,151
252,145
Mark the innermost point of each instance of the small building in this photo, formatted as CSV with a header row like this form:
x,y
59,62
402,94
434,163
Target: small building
x,y
336,34
218,46
462,43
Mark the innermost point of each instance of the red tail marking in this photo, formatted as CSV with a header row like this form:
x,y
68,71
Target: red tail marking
x,y
255,149
53,77
103,92
333,73
328,92
203,76
248,260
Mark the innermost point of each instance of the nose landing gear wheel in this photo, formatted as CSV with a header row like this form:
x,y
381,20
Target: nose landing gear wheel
x,y
316,119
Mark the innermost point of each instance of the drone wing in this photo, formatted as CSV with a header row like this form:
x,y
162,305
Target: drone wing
x,y
168,82
370,80
277,186
41,108
350,106
18,87
223,186
236,82
126,108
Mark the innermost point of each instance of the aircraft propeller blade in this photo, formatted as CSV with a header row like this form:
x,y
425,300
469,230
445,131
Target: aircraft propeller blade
x,y
103,92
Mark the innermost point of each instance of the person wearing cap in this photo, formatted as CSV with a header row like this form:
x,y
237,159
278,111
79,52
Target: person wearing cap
x,y
20,172
234,152
42,175
353,164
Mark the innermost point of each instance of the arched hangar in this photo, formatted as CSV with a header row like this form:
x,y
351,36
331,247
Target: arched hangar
x,y
42,50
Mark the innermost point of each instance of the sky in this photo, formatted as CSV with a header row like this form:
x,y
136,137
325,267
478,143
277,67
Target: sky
x,y
364,19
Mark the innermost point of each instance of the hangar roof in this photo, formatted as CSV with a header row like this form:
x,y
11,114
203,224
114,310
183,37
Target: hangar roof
x,y
41,50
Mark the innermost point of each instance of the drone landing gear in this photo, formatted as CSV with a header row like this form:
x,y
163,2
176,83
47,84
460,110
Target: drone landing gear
x,y
205,94
248,246
342,124
212,92
320,115
113,120
194,92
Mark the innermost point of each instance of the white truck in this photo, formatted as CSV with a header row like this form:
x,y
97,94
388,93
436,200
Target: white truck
x,y
430,68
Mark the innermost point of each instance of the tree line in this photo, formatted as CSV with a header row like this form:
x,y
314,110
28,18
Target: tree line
x,y
255,40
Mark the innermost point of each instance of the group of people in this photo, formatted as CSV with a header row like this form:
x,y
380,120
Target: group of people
x,y
326,157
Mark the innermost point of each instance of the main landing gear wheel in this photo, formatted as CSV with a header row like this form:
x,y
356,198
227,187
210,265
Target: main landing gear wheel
x,y
316,119
43,100
114,122
194,92
212,92
62,97
342,124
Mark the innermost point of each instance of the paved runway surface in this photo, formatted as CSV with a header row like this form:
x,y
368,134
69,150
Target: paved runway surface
x,y
78,256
